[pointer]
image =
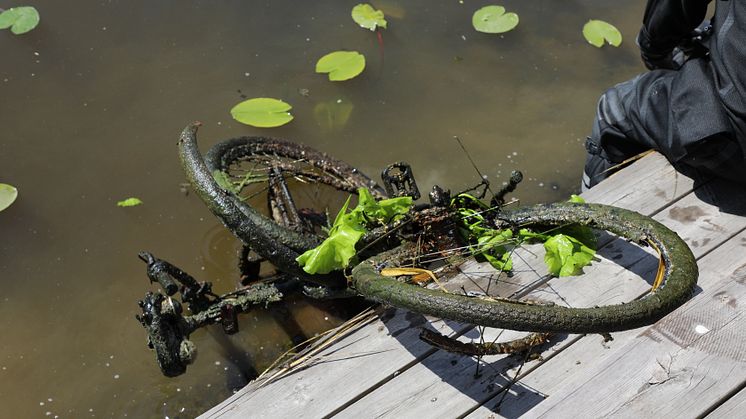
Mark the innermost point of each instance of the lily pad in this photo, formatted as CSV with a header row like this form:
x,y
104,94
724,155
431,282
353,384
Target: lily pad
x,y
391,8
493,19
8,195
262,112
332,115
19,19
341,65
129,202
598,31
369,18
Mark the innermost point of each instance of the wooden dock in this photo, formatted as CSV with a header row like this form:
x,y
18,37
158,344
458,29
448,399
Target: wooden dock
x,y
692,363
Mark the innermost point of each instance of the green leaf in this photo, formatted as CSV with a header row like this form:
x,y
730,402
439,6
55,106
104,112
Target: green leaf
x,y
566,256
341,65
492,247
8,195
502,262
222,179
493,19
382,211
369,18
332,115
581,233
336,251
19,19
596,31
129,202
262,112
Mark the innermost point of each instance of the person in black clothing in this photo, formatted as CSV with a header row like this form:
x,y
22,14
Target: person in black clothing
x,y
691,106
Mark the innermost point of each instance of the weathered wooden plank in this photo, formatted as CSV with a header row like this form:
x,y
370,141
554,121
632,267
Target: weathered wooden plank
x,y
734,407
317,390
445,383
585,358
646,186
338,383
454,385
386,346
680,366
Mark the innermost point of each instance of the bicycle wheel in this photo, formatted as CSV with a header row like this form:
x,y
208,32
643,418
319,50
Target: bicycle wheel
x,y
677,282
293,182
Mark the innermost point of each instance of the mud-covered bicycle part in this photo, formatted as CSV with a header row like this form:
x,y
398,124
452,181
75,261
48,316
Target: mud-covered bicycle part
x,y
280,242
398,180
450,344
277,243
678,281
169,329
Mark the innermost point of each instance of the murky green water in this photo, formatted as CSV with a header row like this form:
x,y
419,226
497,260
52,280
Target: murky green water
x,y
92,101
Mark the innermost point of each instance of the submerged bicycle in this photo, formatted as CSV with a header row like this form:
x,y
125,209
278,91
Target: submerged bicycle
x,y
425,241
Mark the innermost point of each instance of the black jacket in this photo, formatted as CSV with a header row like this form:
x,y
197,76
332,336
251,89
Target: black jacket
x,y
670,23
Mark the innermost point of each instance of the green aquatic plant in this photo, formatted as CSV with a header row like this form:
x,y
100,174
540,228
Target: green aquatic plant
x,y
493,19
332,115
19,19
341,65
336,251
568,249
262,112
367,17
8,195
129,202
566,255
598,31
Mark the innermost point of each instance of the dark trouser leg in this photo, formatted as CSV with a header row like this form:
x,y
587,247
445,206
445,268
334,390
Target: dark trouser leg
x,y
720,155
628,120
613,137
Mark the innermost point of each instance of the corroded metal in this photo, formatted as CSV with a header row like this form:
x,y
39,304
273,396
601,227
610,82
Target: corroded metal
x,y
524,344
399,180
168,329
680,279
427,228
681,270
272,241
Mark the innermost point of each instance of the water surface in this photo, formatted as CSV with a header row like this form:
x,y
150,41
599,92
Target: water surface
x,y
92,101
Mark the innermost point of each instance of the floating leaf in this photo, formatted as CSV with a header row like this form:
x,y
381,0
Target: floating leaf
x,y
341,65
369,18
129,202
333,114
19,19
493,19
390,8
262,112
596,31
8,195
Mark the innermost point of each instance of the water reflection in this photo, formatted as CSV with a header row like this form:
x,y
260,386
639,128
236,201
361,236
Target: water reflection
x,y
92,102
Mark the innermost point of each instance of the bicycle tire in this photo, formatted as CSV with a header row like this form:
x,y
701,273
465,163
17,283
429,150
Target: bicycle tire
x,y
679,281
275,242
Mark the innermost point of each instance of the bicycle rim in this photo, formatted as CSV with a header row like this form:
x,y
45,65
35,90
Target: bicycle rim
x,y
679,279
295,185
